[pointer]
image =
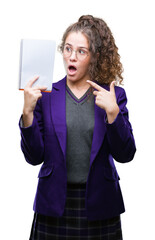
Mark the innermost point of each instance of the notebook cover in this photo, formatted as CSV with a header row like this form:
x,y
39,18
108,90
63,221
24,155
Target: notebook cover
x,y
37,59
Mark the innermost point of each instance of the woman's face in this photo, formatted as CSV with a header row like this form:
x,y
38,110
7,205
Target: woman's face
x,y
76,57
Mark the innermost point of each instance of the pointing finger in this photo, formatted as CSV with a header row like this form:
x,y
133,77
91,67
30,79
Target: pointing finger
x,y
94,85
95,93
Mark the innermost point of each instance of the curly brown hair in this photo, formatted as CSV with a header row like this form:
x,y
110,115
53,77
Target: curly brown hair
x,y
105,65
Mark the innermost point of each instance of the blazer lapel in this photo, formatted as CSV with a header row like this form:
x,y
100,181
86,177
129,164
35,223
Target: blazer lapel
x,y
58,112
99,131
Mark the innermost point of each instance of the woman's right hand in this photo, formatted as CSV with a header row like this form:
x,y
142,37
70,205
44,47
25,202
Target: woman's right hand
x,y
31,96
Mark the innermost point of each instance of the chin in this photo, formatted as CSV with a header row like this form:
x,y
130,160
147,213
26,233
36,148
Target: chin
x,y
72,78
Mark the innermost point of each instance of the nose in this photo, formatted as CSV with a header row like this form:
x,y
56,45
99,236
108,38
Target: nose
x,y
73,55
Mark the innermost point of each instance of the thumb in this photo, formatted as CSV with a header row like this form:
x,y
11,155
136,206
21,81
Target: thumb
x,y
112,85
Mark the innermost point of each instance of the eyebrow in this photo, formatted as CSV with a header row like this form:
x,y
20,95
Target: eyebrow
x,y
78,47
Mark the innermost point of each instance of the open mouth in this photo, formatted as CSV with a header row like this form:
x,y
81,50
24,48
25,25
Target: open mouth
x,y
72,69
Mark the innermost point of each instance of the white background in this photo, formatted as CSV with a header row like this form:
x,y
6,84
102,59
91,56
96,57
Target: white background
x,y
132,24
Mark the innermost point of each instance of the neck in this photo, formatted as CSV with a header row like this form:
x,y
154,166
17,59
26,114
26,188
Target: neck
x,y
79,85
78,88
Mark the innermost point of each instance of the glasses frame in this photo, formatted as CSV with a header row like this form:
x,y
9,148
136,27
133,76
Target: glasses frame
x,y
68,55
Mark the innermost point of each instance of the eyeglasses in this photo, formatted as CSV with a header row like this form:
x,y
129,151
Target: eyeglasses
x,y
81,53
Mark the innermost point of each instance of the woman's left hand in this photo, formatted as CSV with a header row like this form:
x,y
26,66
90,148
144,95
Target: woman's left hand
x,y
106,100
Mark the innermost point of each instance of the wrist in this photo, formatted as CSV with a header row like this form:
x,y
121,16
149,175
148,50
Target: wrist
x,y
112,113
27,118
112,109
27,111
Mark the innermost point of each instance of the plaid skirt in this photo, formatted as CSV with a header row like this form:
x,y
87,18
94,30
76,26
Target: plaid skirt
x,y
74,225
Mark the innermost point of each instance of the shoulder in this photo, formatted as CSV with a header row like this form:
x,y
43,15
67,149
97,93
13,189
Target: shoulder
x,y
118,89
60,84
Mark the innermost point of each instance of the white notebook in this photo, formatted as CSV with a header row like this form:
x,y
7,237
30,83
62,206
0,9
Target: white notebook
x,y
37,59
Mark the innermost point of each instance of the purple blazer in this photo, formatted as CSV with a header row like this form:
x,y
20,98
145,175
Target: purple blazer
x,y
45,142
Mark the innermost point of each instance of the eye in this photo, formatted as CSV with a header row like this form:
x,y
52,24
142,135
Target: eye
x,y
68,49
82,52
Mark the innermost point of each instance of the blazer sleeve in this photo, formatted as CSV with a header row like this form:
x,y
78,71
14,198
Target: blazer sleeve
x,y
32,142
119,133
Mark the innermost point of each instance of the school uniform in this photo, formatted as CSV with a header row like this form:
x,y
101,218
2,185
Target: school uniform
x,y
78,194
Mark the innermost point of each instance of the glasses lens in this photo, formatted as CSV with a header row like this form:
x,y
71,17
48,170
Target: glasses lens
x,y
81,54
67,51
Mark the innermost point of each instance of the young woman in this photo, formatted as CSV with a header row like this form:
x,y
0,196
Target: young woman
x,y
76,133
